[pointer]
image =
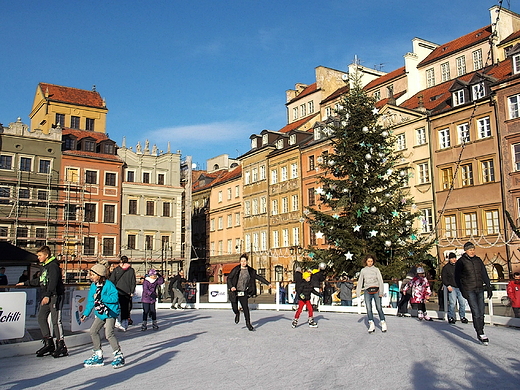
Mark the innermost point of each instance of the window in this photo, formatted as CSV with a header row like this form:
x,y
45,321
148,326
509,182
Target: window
x,y
254,143
247,177
447,178
212,225
262,172
265,139
311,163
150,207
109,214
229,246
430,77
424,173
5,194
492,222
444,138
6,162
516,154
70,144
488,171
274,207
427,221
285,205
263,205
220,196
445,71
130,241
274,176
513,106
130,176
303,110
478,91
24,193
110,179
25,164
311,107
70,212
89,246
41,234
72,175
276,239
90,212
237,191
467,175
295,113
516,64
255,242
148,242
91,177
458,97
477,59
237,219
74,122
247,208
166,206
229,193
401,141
377,95
146,177
450,226
60,120
461,65
108,148
42,196
89,146
4,231
294,171
279,144
420,136
294,202
285,237
470,224
89,124
160,179
296,235
263,241
238,245
230,220
484,127
220,222
312,197
463,132
255,206
132,206
45,166
283,176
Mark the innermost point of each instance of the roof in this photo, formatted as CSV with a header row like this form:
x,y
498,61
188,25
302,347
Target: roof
x,y
98,137
382,102
307,91
75,96
80,134
228,175
337,93
458,44
13,254
386,78
297,124
511,37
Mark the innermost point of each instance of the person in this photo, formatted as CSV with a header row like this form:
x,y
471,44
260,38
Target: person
x,y
123,277
151,282
298,277
317,279
52,292
402,305
393,292
345,286
103,298
3,280
454,295
24,276
176,288
305,290
328,290
472,279
241,283
513,292
282,291
420,292
371,281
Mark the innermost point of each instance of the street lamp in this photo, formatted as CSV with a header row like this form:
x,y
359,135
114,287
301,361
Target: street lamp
x,y
295,250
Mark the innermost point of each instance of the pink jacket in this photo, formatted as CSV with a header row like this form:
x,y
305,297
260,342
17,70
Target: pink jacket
x,y
420,289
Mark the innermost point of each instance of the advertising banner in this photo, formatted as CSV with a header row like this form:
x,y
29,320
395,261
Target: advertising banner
x,y
217,293
79,301
12,315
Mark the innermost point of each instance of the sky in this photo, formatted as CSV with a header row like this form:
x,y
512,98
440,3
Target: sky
x,y
206,75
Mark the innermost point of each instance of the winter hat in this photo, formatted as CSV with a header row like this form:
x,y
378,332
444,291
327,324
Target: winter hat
x,y
420,270
99,269
152,272
452,255
306,275
468,245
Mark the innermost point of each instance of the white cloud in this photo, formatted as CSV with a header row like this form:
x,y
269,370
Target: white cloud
x,y
205,132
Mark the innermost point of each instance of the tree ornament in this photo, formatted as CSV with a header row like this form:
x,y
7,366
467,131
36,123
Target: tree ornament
x,y
373,209
373,233
365,129
368,156
348,255
388,243
384,133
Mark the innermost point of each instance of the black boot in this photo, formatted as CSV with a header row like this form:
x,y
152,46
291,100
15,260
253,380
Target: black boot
x,y
250,327
237,318
61,349
48,347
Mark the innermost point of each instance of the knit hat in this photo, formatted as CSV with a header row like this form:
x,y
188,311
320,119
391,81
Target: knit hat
x,y
420,270
99,269
468,245
152,272
306,275
452,255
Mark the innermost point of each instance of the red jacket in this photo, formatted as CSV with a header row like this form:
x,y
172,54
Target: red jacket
x,y
513,292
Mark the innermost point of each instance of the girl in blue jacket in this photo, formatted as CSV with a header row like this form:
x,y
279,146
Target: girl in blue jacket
x,y
104,300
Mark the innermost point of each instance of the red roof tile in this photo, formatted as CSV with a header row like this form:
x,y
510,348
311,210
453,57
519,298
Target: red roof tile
x,y
307,91
80,134
228,175
386,78
100,156
384,101
297,124
337,93
511,37
460,43
76,96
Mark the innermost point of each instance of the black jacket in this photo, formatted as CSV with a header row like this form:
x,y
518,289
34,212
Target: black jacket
x,y
232,280
306,289
124,280
448,275
177,282
50,281
471,274
317,279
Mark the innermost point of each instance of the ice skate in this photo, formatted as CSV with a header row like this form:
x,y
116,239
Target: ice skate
x,y
383,326
371,327
464,320
154,325
61,349
47,349
250,327
96,360
312,323
451,320
427,317
483,339
119,326
119,360
294,323
144,326
124,323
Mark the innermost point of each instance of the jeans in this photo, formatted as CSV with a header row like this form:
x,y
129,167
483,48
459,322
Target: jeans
x,y
301,304
346,302
476,304
455,296
368,304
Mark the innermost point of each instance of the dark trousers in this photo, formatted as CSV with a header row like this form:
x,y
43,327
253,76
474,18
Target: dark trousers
x,y
477,306
125,302
402,306
245,307
54,309
149,310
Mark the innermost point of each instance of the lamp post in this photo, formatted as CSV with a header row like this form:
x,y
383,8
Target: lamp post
x,y
295,250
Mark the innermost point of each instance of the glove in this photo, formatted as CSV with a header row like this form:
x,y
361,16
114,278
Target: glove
x,y
490,294
302,297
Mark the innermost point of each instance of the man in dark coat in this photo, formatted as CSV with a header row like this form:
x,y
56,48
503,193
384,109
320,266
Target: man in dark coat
x,y
176,290
123,277
472,279
454,294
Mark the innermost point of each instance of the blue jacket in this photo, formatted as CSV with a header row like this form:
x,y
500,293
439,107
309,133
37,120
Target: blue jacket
x,y
109,297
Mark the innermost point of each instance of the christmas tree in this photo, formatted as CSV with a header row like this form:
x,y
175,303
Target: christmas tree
x,y
365,208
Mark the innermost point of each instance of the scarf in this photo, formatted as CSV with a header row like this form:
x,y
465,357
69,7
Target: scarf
x,y
99,306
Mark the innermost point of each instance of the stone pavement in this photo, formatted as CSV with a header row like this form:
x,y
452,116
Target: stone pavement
x,y
196,349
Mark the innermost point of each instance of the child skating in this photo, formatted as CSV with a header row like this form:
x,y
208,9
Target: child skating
x,y
104,300
150,284
421,291
304,292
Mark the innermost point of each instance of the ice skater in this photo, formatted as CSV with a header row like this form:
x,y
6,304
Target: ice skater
x,y
151,282
420,292
371,281
304,292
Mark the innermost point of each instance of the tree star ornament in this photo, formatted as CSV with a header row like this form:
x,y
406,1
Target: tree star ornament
x,y
319,235
373,233
348,255
357,227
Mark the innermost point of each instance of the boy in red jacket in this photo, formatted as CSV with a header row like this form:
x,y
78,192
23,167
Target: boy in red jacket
x,y
513,292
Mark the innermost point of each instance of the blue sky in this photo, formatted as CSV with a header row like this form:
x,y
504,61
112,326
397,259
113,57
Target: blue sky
x,y
205,75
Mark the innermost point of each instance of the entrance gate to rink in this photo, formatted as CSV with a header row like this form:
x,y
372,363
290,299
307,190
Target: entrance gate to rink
x,y
495,306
